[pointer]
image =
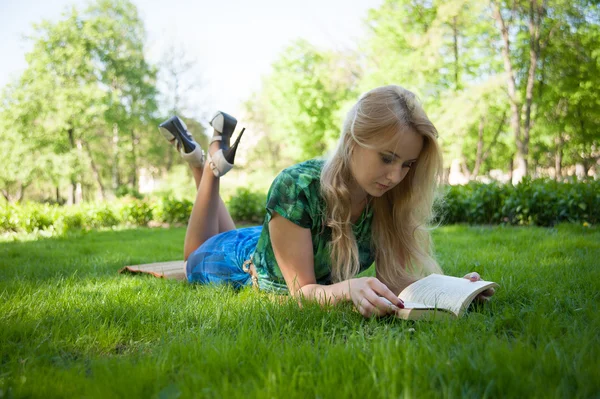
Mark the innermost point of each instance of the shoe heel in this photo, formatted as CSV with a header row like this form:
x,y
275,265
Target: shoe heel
x,y
176,128
230,153
224,124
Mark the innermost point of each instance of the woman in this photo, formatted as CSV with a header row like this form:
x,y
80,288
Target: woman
x,y
326,221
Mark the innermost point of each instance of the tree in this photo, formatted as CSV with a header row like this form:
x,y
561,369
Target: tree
x,y
445,52
178,77
568,100
300,105
87,89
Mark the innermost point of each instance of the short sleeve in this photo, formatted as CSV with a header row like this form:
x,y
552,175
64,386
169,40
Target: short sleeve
x,y
288,196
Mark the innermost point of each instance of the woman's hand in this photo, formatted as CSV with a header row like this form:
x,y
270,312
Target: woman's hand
x,y
372,298
485,295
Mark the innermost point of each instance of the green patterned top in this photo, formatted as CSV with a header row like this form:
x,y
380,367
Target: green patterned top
x,y
295,195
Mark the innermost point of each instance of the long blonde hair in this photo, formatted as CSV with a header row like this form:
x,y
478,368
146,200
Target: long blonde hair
x,y
400,236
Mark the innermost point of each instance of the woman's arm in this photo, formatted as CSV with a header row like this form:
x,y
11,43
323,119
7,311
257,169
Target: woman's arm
x,y
292,246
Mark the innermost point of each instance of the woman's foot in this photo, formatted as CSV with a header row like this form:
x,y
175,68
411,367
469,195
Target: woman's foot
x,y
220,155
175,131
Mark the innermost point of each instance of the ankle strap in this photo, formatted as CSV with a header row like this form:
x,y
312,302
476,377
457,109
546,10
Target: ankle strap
x,y
216,138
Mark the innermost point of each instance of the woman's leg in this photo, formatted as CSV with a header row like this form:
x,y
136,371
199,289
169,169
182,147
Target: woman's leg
x,y
209,216
224,218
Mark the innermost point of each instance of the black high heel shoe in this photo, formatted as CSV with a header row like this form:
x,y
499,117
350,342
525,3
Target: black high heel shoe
x,y
175,131
222,161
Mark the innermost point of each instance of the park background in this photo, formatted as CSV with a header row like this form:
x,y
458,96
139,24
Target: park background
x,y
89,185
512,89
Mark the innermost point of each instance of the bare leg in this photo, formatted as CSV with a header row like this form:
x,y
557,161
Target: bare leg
x,y
209,216
224,218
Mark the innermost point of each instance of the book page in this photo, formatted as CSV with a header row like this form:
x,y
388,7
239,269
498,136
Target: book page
x,y
415,305
444,292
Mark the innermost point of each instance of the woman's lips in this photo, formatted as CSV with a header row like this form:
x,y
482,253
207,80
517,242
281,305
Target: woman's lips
x,y
382,186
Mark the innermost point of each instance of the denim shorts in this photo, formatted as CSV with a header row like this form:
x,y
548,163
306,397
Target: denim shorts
x,y
221,258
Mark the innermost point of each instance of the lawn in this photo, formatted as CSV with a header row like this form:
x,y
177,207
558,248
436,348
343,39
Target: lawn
x,y
70,326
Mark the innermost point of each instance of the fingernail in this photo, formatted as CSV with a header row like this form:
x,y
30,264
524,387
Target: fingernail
x,y
401,304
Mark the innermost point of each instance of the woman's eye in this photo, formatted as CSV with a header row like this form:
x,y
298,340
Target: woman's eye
x,y
387,159
408,165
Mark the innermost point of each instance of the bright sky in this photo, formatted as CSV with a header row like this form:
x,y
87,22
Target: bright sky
x,y
233,41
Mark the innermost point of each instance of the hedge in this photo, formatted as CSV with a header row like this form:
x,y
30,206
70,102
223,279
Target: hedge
x,y
531,202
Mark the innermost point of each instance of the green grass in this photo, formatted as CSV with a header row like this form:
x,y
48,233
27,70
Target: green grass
x,y
71,327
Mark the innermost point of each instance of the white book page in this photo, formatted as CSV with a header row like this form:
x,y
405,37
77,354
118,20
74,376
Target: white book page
x,y
415,305
409,305
444,292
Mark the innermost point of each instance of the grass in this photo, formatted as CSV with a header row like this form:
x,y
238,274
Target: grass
x,y
71,327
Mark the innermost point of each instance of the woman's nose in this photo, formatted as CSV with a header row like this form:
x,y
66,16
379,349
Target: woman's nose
x,y
396,174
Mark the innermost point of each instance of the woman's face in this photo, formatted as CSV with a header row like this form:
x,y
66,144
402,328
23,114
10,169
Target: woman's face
x,y
377,171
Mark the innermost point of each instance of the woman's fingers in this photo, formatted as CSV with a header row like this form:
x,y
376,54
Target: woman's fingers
x,y
381,290
367,309
373,298
474,276
375,305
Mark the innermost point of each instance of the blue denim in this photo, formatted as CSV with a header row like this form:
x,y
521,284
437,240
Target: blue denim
x,y
220,259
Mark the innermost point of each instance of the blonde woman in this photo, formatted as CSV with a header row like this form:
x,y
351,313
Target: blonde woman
x,y
328,220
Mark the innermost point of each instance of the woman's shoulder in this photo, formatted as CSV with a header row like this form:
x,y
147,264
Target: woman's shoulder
x,y
304,176
310,167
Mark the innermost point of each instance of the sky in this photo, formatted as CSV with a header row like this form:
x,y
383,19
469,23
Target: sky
x,y
233,42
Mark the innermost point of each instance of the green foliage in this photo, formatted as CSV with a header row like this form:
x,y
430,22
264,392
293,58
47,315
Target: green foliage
x,y
532,202
474,203
127,191
247,206
136,212
539,202
78,114
301,105
102,216
170,210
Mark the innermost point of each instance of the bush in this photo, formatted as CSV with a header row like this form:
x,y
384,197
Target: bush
x,y
170,210
126,191
136,212
532,202
72,219
102,216
9,218
247,206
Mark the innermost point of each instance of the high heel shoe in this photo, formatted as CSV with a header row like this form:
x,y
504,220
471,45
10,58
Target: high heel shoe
x,y
175,131
222,161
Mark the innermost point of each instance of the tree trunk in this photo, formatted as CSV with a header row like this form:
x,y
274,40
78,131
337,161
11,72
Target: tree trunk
x,y
558,157
116,177
134,177
21,192
535,16
73,198
479,155
446,176
515,120
95,171
465,168
486,153
79,188
455,39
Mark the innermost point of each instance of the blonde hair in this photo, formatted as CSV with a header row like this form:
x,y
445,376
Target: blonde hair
x,y
400,236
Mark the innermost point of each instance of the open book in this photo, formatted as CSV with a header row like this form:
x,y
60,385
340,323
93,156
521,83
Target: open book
x,y
439,297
